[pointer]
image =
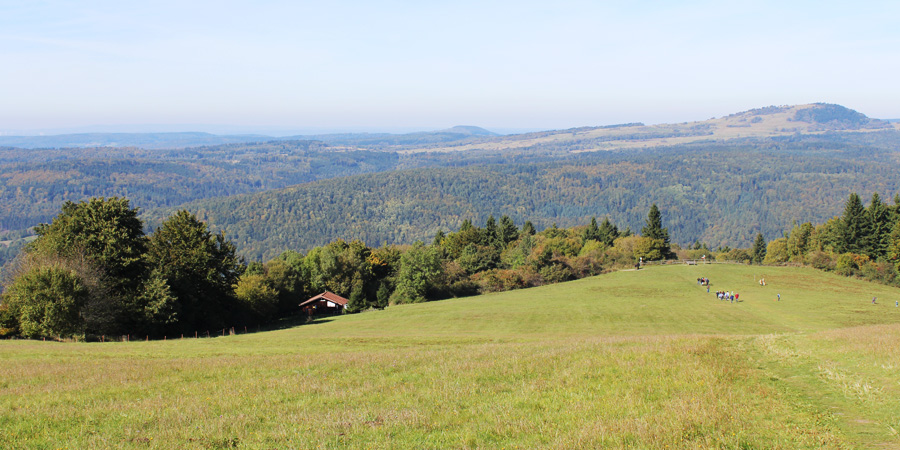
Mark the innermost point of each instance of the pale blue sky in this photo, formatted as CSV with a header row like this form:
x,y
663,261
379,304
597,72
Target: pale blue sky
x,y
423,65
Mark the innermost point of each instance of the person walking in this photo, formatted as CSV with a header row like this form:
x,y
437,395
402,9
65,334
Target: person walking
x,y
779,297
873,300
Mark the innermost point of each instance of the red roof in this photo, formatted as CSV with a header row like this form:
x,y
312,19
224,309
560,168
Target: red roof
x,y
330,296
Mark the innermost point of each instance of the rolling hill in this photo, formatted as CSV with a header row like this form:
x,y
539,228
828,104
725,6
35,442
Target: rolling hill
x,y
633,359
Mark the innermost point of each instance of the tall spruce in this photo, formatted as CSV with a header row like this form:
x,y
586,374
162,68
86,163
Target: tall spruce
x,y
592,232
856,227
491,232
880,219
528,229
893,250
655,231
759,249
608,232
508,231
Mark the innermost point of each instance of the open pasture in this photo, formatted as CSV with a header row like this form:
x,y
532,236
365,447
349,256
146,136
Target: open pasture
x,y
632,359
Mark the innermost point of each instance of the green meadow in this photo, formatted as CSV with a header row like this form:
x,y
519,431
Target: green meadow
x,y
632,359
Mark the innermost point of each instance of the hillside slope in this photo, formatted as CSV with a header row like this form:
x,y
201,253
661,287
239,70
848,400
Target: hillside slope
x,y
639,359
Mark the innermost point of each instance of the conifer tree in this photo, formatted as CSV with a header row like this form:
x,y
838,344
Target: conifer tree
x,y
893,250
491,233
508,230
592,232
879,216
528,229
438,238
655,231
608,232
759,249
856,228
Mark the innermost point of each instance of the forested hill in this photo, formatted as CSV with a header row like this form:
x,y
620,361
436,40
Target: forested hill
x,y
718,194
34,183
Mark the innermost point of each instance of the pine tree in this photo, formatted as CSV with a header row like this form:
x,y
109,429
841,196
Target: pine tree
x,y
856,228
491,232
893,250
655,231
759,249
508,231
592,232
608,232
528,229
879,217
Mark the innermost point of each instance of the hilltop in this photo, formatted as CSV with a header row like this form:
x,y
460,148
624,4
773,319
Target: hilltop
x,y
637,359
755,124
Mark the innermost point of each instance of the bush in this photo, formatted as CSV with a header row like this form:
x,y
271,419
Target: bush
x,y
556,273
498,280
821,260
845,265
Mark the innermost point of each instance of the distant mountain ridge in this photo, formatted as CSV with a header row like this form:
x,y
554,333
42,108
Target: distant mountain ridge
x,y
761,122
177,140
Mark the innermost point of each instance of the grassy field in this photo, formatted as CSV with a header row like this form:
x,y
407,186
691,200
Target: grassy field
x,y
634,359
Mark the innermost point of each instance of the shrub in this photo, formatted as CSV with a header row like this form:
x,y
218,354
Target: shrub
x,y
556,273
845,265
821,260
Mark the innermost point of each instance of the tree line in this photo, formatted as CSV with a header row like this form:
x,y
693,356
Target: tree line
x,y
92,271
863,241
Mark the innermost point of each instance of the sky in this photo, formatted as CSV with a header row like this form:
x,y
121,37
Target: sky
x,y
286,66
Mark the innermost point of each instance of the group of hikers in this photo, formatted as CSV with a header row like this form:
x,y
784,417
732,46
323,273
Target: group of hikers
x,y
735,297
721,295
726,295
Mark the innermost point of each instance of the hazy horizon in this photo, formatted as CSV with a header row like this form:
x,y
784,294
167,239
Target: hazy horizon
x,y
400,66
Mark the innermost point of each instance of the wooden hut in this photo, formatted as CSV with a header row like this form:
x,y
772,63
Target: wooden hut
x,y
324,303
